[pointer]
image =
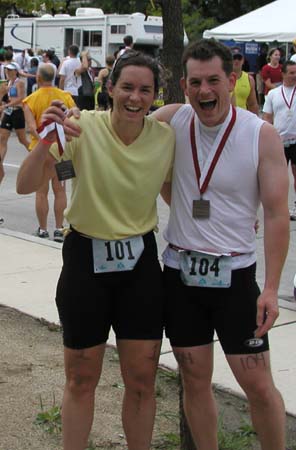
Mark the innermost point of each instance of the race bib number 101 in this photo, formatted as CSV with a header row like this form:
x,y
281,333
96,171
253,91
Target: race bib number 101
x,y
116,256
205,270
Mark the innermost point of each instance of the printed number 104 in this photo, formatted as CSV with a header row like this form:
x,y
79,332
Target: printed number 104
x,y
203,266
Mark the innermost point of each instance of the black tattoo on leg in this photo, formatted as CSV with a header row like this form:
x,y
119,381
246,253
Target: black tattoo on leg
x,y
184,358
251,362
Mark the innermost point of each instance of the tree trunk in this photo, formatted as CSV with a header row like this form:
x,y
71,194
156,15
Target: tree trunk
x,y
185,434
173,45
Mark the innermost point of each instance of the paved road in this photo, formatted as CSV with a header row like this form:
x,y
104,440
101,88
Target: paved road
x,y
19,213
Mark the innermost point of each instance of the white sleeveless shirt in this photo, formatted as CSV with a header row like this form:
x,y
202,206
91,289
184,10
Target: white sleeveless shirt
x,y
233,190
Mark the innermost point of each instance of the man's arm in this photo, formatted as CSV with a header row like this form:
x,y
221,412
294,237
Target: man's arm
x,y
30,121
274,186
62,82
268,117
165,113
252,103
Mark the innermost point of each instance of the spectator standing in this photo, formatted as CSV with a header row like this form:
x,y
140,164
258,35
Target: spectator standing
x,y
272,71
128,45
261,60
68,80
12,109
102,95
47,57
244,94
280,110
34,106
86,96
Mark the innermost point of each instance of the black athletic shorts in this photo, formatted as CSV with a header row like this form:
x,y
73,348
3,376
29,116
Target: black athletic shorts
x,y
290,153
14,121
132,302
192,314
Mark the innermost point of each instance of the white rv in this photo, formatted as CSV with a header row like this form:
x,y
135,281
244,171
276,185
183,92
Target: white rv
x,y
90,29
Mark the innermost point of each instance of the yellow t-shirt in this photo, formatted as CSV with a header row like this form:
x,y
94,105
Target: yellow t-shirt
x,y
116,185
242,90
41,99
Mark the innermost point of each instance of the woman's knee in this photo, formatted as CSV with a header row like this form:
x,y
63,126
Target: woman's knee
x,y
81,384
140,384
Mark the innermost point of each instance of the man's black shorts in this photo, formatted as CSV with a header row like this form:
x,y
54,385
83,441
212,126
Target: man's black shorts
x,y
290,153
15,121
192,314
89,304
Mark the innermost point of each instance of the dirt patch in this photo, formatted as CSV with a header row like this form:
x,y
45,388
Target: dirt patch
x,y
32,379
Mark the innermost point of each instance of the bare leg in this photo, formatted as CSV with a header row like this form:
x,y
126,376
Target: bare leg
x,y
60,200
267,407
21,134
196,366
4,136
83,370
138,360
41,204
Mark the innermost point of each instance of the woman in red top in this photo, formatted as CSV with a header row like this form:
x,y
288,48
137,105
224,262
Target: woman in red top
x,y
272,72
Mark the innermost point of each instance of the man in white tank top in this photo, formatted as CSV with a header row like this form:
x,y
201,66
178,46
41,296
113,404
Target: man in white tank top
x,y
280,110
227,162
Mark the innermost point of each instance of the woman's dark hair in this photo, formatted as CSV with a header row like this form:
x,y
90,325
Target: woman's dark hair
x,y
134,58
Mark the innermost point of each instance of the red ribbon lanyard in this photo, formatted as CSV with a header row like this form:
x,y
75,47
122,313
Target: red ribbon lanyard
x,y
227,132
285,98
50,125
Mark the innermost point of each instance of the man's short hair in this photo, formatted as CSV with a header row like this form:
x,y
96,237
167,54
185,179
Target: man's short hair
x,y
287,64
74,50
46,72
205,50
128,40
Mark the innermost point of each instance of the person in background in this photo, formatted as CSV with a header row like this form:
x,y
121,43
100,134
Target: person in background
x,y
260,62
68,80
111,275
128,45
12,109
280,110
272,71
47,57
102,95
244,94
227,161
31,82
34,106
86,98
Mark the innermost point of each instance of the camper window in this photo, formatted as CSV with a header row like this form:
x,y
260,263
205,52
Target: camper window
x,y
92,39
118,29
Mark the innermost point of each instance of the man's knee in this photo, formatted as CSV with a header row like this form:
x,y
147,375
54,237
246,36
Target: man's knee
x,y
260,391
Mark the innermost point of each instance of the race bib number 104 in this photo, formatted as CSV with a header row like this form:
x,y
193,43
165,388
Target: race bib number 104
x,y
205,270
116,256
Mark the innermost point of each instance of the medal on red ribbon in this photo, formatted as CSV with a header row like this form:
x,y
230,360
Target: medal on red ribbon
x,y
201,207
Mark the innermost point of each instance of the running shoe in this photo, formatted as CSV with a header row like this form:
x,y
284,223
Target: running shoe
x,y
42,233
58,235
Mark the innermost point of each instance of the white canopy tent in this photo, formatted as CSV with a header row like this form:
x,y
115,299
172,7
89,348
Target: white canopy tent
x,y
273,22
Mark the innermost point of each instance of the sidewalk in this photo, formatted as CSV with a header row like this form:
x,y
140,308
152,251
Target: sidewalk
x,y
30,268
